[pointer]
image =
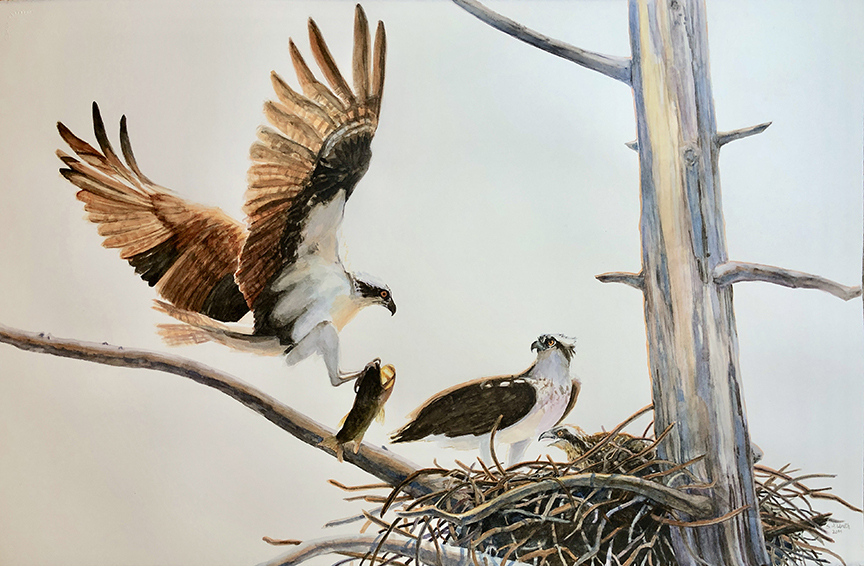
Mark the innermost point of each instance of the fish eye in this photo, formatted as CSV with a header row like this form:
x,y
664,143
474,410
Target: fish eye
x,y
384,294
550,342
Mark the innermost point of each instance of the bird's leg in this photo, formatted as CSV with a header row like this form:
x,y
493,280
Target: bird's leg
x,y
517,450
307,346
327,338
323,339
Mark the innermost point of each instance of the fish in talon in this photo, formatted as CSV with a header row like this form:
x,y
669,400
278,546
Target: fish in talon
x,y
372,389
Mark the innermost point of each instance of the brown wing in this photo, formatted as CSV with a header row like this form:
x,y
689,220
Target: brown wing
x,y
188,252
471,408
320,147
574,395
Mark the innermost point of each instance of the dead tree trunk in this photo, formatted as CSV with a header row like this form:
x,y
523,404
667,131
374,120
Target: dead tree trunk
x,y
692,340
686,277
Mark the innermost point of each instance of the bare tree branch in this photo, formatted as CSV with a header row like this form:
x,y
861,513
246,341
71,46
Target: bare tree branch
x,y
722,138
395,544
736,271
694,505
635,280
377,461
617,68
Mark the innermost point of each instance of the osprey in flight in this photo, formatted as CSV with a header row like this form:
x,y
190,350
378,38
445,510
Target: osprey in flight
x,y
526,404
283,264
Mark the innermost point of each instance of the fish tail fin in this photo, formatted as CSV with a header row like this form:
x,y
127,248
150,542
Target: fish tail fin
x,y
331,443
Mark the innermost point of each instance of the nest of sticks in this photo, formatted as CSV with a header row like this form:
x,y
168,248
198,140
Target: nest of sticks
x,y
795,532
534,513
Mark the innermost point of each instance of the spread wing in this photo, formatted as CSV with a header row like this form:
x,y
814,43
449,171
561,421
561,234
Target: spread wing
x,y
306,165
188,252
471,408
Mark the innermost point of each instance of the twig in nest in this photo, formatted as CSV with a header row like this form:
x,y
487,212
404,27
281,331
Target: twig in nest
x,y
281,542
696,505
348,520
389,530
822,549
836,498
492,445
675,468
407,481
388,526
703,523
612,434
486,470
344,487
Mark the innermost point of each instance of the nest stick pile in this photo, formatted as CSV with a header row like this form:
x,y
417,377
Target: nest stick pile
x,y
794,530
495,511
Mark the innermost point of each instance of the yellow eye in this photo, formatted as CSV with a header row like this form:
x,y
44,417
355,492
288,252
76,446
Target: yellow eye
x,y
550,342
384,294
560,434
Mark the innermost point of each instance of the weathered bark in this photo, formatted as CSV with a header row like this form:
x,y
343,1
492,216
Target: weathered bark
x,y
692,340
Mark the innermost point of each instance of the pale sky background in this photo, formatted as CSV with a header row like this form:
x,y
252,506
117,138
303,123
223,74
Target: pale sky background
x,y
500,185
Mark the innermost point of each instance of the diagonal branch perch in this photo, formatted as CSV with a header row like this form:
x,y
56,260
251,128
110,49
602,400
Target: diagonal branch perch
x,y
617,68
444,555
377,461
736,272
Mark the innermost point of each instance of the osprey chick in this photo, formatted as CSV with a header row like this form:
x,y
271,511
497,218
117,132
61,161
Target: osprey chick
x,y
283,264
526,404
571,439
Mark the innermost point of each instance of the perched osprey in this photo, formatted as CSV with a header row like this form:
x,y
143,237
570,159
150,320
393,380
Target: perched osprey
x,y
526,404
283,264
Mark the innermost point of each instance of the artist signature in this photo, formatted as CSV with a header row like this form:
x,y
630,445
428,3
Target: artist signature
x,y
837,528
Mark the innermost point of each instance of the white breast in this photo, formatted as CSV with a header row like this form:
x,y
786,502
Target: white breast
x,y
320,234
551,377
308,291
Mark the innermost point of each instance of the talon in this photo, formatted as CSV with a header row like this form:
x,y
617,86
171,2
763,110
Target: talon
x,y
344,377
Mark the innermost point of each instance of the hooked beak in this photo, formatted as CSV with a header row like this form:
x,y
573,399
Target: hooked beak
x,y
391,306
548,435
537,346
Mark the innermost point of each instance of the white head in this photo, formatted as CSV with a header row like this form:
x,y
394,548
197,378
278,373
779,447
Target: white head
x,y
549,344
372,291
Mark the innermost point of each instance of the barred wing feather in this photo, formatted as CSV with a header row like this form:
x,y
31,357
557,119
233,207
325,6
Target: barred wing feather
x,y
188,252
313,154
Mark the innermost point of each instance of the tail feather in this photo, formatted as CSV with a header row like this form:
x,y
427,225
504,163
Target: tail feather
x,y
182,334
197,328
